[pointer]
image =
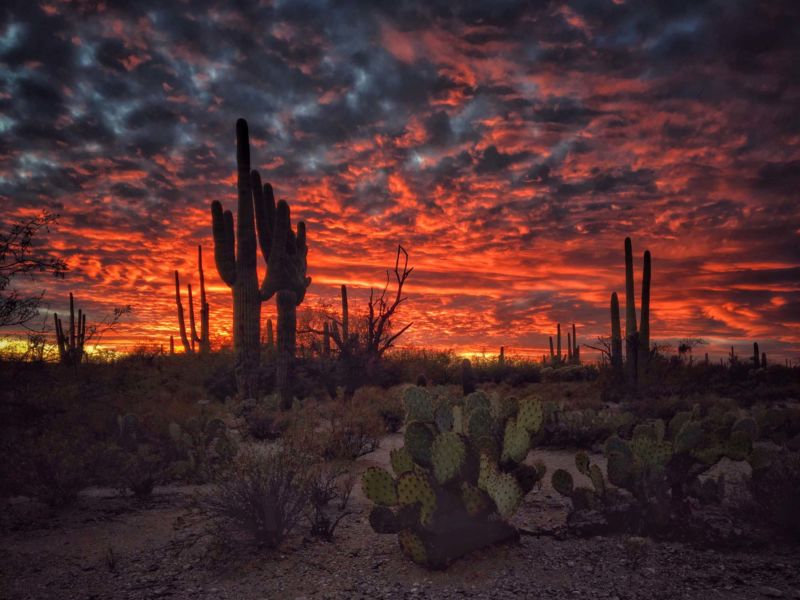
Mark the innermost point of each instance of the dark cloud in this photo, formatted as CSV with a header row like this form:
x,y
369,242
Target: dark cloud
x,y
529,138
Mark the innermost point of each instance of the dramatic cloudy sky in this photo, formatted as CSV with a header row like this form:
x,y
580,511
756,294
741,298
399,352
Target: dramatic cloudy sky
x,y
509,146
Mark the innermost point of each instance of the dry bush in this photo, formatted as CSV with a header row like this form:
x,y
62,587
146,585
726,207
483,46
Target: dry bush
x,y
331,487
265,495
56,471
387,404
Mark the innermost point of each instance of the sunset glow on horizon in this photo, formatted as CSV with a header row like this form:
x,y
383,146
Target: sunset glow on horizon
x,y
510,150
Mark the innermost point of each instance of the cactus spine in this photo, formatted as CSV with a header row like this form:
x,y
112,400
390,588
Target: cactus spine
x,y
616,335
70,343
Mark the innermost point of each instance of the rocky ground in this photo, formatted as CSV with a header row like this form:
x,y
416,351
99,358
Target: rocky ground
x,y
163,547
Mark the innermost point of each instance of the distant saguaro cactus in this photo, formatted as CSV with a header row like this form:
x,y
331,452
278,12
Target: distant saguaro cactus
x,y
616,335
70,343
631,334
637,340
644,318
285,253
756,356
192,341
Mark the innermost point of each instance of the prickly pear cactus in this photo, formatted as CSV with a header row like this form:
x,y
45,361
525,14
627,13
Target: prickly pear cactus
x,y
459,475
659,466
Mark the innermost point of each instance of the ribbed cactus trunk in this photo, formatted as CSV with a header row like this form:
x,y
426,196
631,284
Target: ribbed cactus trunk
x,y
345,316
187,347
631,335
237,268
569,347
558,345
552,352
576,351
326,339
287,345
616,335
205,337
270,335
644,326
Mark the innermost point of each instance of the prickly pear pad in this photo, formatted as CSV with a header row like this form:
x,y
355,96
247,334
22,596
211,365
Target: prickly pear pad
x,y
379,486
448,454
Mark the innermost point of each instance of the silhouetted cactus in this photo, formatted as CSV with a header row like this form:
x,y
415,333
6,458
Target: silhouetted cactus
x,y
192,341
616,335
763,360
631,334
235,256
70,343
756,356
270,335
644,317
558,344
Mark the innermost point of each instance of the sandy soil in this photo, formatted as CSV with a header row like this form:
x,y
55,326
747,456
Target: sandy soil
x,y
113,547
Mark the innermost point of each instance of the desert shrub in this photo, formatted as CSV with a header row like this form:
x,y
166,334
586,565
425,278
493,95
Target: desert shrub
x,y
775,485
387,404
331,487
265,423
265,495
57,470
352,432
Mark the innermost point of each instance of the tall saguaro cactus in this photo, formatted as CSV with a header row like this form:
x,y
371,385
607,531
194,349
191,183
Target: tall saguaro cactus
x,y
616,335
285,253
631,334
235,257
70,343
644,326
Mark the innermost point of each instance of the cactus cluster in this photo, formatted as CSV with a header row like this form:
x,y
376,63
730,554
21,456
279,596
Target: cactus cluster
x,y
637,340
660,467
459,475
193,341
573,356
70,343
283,249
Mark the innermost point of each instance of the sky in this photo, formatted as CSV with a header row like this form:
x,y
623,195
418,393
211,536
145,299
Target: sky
x,y
510,147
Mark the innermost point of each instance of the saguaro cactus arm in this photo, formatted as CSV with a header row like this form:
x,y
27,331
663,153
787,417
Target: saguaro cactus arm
x,y
224,253
285,252
644,327
181,319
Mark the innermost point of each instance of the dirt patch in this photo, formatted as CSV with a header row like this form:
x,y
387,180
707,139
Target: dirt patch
x,y
113,547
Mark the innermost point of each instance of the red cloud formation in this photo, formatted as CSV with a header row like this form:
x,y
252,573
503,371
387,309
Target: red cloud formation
x,y
511,151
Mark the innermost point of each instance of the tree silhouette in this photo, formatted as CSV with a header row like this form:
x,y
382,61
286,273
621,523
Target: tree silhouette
x,y
18,256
